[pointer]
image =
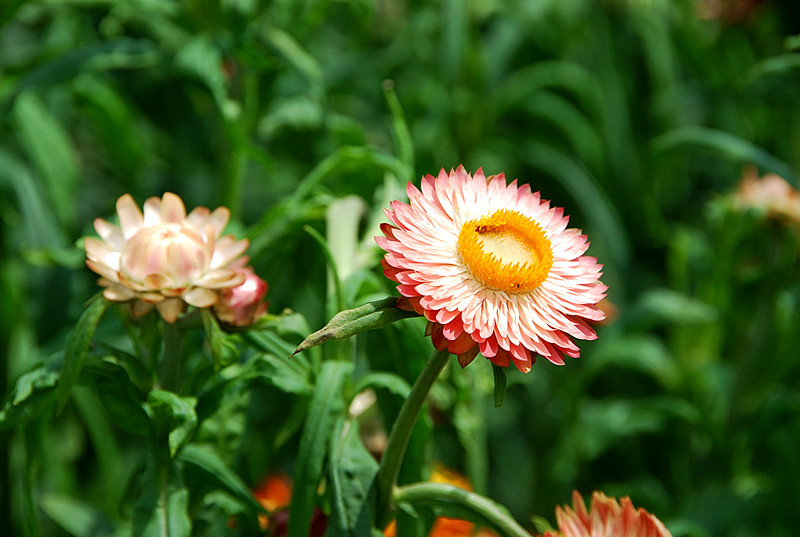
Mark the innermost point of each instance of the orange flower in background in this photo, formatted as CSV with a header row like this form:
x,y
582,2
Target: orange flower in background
x,y
606,518
493,268
164,257
273,493
771,194
443,526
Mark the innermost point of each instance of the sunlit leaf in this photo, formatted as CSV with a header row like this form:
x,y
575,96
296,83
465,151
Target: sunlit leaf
x,y
182,410
352,472
34,391
76,517
162,509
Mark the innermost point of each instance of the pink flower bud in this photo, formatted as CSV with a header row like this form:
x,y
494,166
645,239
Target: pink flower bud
x,y
241,305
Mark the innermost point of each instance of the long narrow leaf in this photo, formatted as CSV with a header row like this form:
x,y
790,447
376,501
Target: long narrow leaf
x,y
77,347
216,470
326,408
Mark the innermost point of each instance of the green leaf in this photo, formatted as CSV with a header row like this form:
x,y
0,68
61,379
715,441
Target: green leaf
x,y
208,461
48,146
282,373
352,470
41,228
202,58
402,137
183,413
33,392
348,323
666,305
390,381
77,347
162,509
122,401
735,148
279,219
334,282
294,53
500,382
326,408
223,351
121,53
75,517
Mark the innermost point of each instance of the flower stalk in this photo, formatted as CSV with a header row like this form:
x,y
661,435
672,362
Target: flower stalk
x,y
401,432
480,506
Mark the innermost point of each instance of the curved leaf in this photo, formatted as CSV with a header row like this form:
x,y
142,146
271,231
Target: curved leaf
x,y
77,347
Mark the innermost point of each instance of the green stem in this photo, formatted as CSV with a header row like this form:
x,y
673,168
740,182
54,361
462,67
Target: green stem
x,y
401,431
442,494
171,361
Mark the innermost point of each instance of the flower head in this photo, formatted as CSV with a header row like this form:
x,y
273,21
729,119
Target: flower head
x,y
493,268
606,518
244,303
164,257
771,194
273,493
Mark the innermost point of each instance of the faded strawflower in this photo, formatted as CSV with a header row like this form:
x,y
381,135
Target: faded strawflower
x,y
164,257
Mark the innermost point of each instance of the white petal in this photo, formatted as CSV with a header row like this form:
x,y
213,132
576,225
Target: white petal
x,y
130,217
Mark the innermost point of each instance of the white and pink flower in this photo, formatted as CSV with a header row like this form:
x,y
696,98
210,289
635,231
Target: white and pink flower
x,y
493,268
164,257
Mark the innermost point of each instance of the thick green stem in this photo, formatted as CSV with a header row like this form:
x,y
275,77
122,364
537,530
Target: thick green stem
x,y
485,510
401,432
171,359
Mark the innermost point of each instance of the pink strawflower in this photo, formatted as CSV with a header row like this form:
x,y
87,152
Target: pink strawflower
x,y
244,303
606,518
493,268
164,258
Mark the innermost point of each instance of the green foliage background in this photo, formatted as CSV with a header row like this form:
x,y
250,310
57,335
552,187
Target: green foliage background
x,y
636,116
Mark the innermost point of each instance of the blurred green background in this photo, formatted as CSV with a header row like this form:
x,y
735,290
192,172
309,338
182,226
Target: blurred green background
x,y
636,116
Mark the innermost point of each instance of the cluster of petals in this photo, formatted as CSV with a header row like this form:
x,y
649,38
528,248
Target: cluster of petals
x,y
273,493
606,518
164,258
243,304
771,194
465,314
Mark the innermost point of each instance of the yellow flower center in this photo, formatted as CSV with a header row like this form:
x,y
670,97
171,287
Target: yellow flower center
x,y
506,251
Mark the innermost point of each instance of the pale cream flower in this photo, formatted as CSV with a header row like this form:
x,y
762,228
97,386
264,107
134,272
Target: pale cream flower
x,y
163,257
494,268
771,194
606,518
